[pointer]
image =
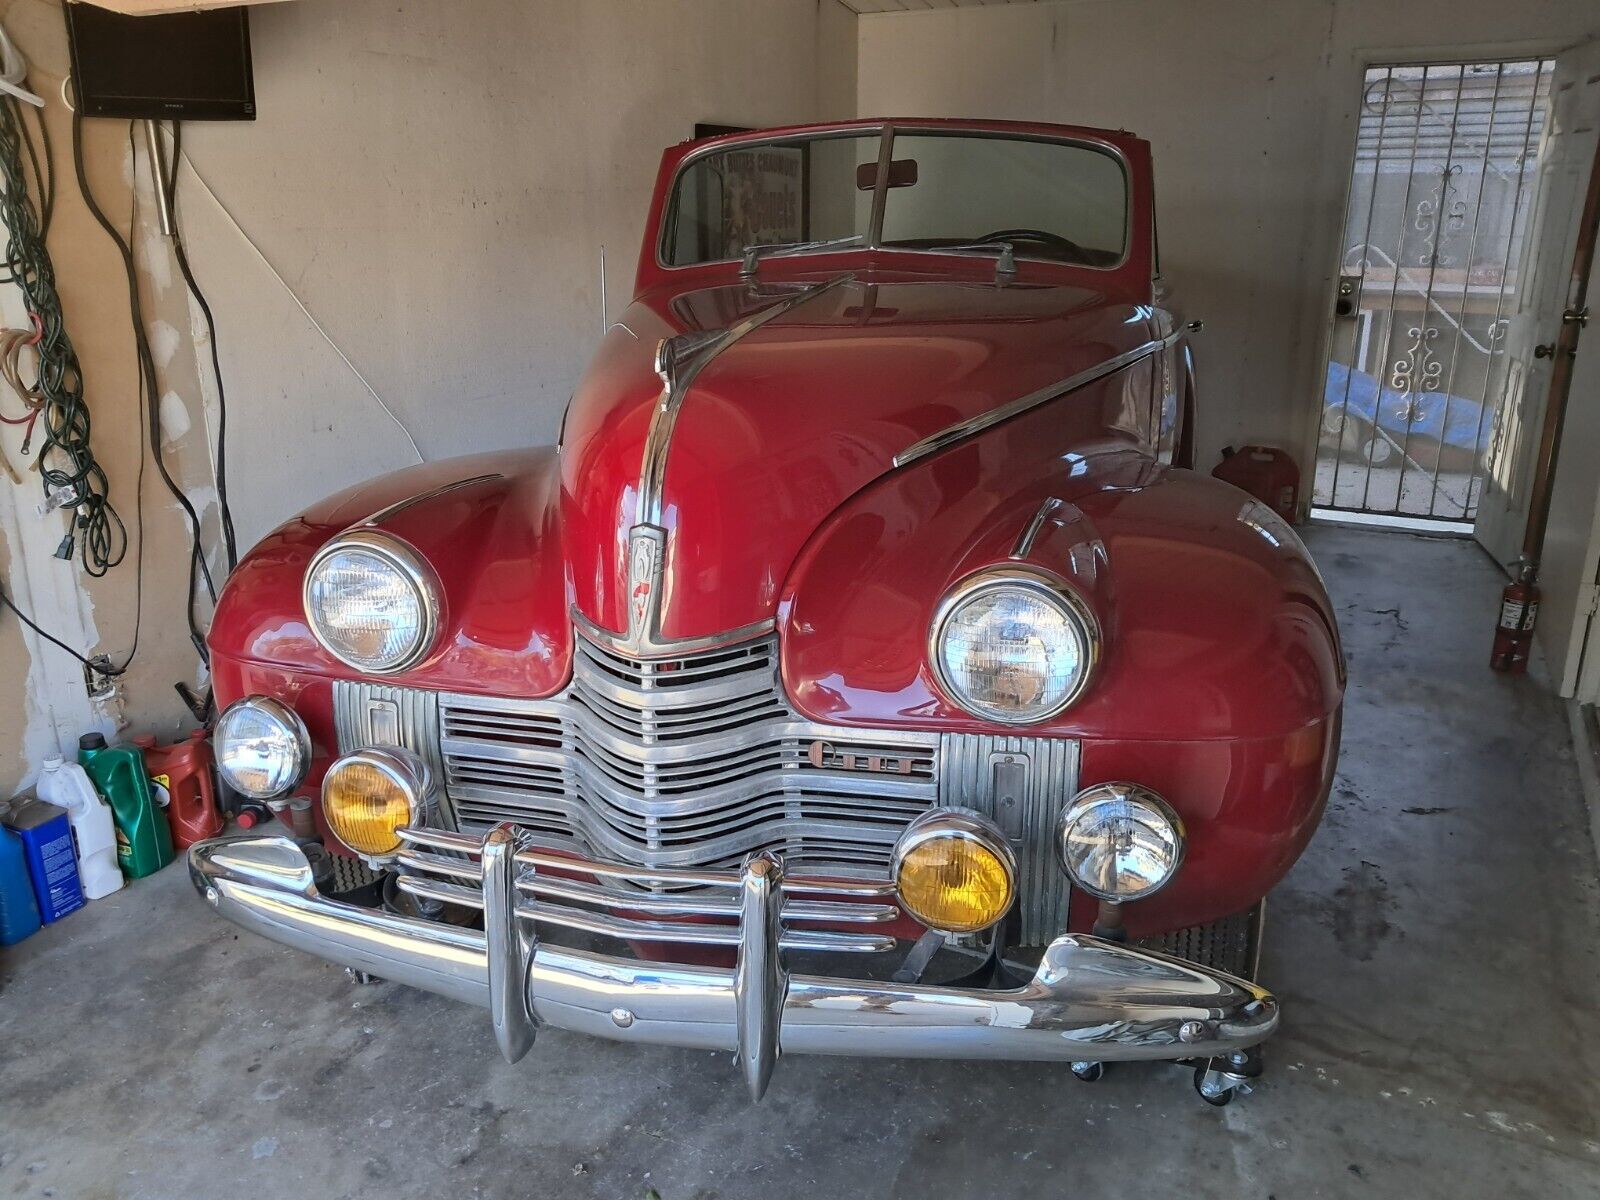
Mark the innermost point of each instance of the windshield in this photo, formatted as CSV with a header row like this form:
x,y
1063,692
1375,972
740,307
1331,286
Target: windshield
x,y
1058,201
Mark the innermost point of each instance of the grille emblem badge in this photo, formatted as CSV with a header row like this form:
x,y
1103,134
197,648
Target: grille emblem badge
x,y
824,756
645,543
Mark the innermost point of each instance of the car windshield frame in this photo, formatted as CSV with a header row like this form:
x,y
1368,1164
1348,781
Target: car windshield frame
x,y
873,239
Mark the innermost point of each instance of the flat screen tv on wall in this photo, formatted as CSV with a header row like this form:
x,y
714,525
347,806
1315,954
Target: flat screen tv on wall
x,y
190,66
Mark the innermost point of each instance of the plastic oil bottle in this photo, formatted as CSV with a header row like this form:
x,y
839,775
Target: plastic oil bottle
x,y
67,786
144,843
19,911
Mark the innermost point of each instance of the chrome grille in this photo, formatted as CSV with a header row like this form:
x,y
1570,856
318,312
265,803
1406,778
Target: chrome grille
x,y
694,761
699,761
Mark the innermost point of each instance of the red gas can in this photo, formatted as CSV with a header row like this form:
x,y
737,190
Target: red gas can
x,y
183,769
1267,473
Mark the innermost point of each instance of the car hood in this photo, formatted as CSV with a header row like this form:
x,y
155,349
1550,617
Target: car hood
x,y
784,424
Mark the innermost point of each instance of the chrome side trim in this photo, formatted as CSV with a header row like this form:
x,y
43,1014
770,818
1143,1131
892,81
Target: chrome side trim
x,y
401,505
1089,1000
962,430
1021,783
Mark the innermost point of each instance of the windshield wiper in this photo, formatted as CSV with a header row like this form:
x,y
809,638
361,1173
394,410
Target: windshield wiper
x,y
752,254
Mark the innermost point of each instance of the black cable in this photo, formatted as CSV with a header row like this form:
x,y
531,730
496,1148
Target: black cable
x,y
144,401
224,511
151,382
99,668
66,460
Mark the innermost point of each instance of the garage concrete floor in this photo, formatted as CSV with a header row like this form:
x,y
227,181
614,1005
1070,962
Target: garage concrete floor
x,y
1435,951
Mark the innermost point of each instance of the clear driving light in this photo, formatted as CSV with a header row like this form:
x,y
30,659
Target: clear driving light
x,y
955,871
262,748
372,602
369,796
1013,646
1119,841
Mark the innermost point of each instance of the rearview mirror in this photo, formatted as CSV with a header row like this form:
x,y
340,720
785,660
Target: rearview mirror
x,y
902,173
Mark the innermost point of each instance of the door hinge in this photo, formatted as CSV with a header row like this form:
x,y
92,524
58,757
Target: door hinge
x,y
1589,599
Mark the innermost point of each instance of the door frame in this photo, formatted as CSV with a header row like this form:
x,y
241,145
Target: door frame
x,y
1341,128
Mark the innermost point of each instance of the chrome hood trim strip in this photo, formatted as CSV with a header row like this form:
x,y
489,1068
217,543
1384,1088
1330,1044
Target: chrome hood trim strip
x,y
962,430
679,362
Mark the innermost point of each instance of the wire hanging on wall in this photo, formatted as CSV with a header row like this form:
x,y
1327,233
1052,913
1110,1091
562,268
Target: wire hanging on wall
x,y
70,474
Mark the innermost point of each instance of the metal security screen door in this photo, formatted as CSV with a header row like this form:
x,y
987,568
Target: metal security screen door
x,y
1439,198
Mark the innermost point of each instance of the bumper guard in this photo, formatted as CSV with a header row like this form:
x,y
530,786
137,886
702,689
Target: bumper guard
x,y
1089,1001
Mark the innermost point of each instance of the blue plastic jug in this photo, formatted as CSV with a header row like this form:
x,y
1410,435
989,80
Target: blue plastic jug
x,y
19,911
47,844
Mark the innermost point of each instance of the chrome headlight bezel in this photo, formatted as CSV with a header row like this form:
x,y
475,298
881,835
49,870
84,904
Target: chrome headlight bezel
x,y
409,772
410,566
960,824
1153,804
291,723
1072,607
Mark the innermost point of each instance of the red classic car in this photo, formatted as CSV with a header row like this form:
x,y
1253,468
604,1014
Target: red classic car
x,y
865,671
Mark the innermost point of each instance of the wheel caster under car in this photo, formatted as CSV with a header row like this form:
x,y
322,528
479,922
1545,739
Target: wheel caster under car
x,y
1216,1080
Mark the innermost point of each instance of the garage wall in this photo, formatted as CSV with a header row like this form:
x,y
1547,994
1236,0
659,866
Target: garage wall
x,y
44,705
1251,110
436,183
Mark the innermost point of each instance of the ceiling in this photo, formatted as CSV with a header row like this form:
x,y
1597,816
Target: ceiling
x,y
878,6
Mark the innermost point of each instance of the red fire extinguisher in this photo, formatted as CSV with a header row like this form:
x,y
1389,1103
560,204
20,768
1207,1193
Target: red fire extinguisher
x,y
1513,636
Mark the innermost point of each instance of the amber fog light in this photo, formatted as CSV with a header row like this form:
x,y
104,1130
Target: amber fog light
x,y
955,871
369,796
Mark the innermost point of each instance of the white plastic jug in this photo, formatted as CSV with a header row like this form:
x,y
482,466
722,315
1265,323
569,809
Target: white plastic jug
x,y
66,785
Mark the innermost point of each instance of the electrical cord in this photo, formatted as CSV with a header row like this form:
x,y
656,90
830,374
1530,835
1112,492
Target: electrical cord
x,y
11,341
150,382
68,470
224,511
99,666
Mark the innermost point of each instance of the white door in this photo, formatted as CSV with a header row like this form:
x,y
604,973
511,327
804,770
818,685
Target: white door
x,y
1521,374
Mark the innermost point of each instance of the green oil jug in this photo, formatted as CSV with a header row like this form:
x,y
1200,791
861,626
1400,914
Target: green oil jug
x,y
144,843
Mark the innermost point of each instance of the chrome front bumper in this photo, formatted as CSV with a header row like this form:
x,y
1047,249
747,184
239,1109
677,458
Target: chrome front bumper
x,y
1089,1000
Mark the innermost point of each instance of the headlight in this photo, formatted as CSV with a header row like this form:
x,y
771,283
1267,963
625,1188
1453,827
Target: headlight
x,y
372,602
369,796
954,871
1013,646
1119,841
262,748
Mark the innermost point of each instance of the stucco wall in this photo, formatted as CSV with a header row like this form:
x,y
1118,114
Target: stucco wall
x,y
435,181
1251,110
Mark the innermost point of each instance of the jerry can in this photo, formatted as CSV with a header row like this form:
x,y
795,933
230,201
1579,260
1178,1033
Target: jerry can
x,y
144,842
19,911
183,771
1267,473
